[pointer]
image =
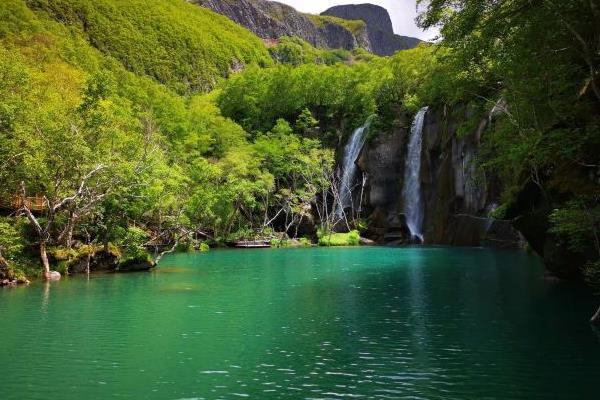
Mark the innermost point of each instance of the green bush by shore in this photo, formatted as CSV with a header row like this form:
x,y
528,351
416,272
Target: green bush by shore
x,y
351,238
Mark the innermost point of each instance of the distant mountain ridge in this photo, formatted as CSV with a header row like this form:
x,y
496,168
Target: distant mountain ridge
x,y
341,27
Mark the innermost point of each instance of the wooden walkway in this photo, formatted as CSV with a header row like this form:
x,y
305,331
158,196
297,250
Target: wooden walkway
x,y
253,244
34,203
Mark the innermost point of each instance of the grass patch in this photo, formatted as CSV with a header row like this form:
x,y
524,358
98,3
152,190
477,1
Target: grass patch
x,y
354,26
351,238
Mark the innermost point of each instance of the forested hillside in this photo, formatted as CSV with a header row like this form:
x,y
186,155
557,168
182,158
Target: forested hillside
x,y
131,128
99,147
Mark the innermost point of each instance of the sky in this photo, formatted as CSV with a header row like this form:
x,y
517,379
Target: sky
x,y
403,13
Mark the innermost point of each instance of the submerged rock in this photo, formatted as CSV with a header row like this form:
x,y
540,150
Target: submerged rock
x,y
366,242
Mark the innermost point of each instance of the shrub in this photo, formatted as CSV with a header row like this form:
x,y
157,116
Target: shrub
x,y
305,242
204,247
11,241
185,247
280,243
351,238
133,243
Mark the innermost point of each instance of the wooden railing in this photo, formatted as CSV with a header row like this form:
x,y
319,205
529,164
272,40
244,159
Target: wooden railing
x,y
34,203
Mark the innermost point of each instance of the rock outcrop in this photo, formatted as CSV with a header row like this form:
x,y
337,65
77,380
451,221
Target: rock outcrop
x,y
382,159
531,212
100,260
271,20
379,27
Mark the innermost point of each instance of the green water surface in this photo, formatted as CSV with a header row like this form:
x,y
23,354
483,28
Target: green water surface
x,y
372,323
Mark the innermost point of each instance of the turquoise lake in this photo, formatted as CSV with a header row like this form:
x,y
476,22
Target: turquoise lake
x,y
372,323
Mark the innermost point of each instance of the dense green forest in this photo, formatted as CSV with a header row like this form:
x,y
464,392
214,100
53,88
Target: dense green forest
x,y
146,126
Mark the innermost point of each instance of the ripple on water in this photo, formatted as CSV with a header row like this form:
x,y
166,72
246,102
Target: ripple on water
x,y
397,323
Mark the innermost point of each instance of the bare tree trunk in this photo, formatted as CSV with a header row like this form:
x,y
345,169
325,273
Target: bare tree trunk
x,y
596,318
70,228
171,250
89,256
44,259
66,236
362,193
43,236
298,226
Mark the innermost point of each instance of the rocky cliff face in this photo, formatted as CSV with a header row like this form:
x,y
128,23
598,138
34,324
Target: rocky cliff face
x,y
379,27
456,198
530,213
257,16
382,160
272,20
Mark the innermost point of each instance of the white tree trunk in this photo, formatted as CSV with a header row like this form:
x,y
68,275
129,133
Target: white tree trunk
x,y
44,259
596,318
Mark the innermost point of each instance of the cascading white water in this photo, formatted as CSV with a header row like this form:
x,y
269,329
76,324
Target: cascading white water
x,y
411,192
351,152
490,220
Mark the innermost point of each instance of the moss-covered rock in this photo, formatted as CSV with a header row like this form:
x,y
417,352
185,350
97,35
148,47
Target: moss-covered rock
x,y
100,259
141,262
77,260
9,275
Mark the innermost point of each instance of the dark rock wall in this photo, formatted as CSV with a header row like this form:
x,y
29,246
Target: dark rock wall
x,y
379,27
335,36
456,197
530,213
382,159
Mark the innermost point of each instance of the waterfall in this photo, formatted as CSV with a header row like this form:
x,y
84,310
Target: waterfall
x,y
351,152
411,192
490,220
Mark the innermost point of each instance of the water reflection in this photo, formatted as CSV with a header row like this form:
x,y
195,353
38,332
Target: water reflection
x,y
596,331
45,296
